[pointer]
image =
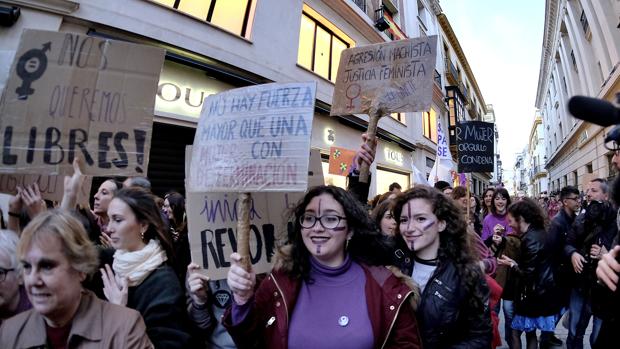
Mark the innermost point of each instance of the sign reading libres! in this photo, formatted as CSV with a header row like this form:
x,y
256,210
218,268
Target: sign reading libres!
x,y
475,142
74,95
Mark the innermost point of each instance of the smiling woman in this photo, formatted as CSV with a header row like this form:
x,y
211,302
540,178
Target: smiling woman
x,y
57,257
329,278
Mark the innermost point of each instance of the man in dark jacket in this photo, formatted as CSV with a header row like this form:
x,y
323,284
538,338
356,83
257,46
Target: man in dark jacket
x,y
557,234
591,236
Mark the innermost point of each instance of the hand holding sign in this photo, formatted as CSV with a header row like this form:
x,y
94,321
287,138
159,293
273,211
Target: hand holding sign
x,y
240,281
384,78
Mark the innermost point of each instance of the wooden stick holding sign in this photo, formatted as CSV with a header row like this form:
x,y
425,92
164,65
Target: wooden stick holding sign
x,y
371,140
243,230
252,140
385,78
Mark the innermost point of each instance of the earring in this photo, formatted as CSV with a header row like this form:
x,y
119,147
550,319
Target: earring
x,y
142,235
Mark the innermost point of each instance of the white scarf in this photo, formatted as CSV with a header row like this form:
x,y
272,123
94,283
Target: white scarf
x,y
137,265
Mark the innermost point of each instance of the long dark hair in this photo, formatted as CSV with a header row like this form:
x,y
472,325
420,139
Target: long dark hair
x,y
529,211
377,213
177,205
454,243
142,204
367,245
485,209
503,193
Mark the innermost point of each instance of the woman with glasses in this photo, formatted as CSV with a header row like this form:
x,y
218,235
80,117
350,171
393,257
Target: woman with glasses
x,y
454,311
329,287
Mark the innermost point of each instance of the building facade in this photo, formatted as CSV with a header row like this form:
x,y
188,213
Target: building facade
x,y
580,56
536,153
213,46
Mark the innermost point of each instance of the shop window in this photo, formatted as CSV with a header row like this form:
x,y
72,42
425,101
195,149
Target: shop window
x,y
233,15
400,117
429,121
331,179
320,44
385,177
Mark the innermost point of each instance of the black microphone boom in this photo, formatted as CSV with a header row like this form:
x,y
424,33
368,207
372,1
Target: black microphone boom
x,y
594,110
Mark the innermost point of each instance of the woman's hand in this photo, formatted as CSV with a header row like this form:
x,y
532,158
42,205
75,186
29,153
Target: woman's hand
x,y
105,240
498,229
241,282
197,284
31,197
507,261
608,268
72,186
115,292
366,153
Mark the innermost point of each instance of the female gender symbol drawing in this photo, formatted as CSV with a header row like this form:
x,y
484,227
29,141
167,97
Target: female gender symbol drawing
x,y
353,91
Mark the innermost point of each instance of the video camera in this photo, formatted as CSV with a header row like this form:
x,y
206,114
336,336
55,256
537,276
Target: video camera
x,y
600,112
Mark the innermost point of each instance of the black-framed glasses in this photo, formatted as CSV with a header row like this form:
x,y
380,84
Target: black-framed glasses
x,y
327,221
576,198
3,273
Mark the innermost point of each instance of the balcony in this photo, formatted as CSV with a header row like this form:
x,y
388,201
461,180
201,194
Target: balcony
x,y
451,73
437,78
537,172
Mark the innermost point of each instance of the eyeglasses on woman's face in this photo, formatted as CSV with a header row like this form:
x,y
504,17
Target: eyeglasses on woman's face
x,y
3,272
308,221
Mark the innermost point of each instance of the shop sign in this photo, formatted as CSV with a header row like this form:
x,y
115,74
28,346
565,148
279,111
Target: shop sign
x,y
181,90
394,156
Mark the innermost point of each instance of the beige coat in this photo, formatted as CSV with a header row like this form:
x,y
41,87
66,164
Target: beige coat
x,y
97,324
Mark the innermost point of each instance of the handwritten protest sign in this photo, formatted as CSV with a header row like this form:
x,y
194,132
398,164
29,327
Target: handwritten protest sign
x,y
50,186
212,223
254,139
396,76
340,160
71,94
475,141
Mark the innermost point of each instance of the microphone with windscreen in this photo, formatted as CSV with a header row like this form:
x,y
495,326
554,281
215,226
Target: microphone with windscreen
x,y
594,110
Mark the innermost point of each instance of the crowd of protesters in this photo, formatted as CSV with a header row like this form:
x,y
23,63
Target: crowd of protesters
x,y
427,267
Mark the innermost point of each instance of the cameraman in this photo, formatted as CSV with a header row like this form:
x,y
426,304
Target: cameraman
x,y
591,236
607,272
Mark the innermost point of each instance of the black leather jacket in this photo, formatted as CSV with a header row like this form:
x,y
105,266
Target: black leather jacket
x,y
446,318
537,292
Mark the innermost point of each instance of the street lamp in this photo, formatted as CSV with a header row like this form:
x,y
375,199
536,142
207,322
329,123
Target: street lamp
x,y
456,110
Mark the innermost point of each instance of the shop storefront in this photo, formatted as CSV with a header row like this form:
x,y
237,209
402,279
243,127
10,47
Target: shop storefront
x,y
392,162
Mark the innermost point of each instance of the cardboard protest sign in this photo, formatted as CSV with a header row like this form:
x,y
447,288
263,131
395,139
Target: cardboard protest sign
x,y
70,95
340,160
394,76
254,139
50,186
212,224
475,141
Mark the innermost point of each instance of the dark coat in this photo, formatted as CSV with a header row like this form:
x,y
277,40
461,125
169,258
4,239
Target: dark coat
x,y
446,318
389,306
537,292
504,275
596,226
160,300
562,267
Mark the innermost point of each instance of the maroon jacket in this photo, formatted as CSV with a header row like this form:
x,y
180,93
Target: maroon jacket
x,y
389,302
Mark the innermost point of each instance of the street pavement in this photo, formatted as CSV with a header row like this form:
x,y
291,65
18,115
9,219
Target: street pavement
x,y
560,332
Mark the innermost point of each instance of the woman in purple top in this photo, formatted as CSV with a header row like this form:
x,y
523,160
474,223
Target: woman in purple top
x,y
329,287
496,223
